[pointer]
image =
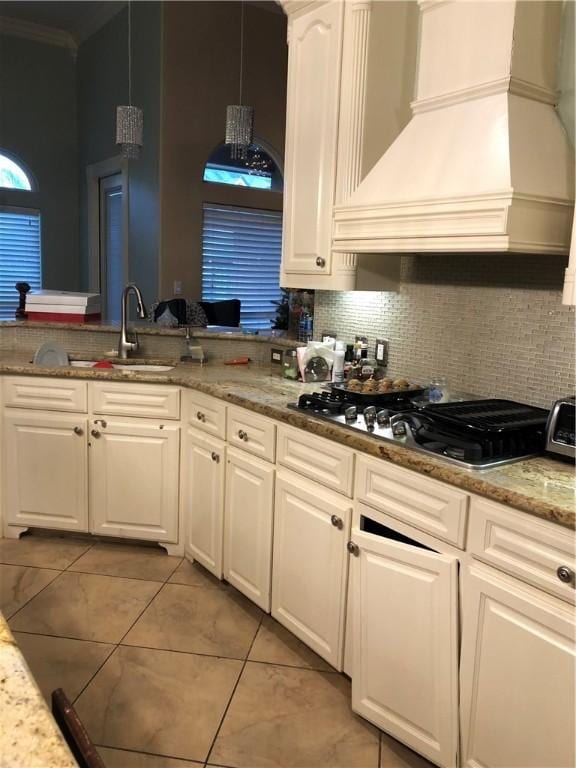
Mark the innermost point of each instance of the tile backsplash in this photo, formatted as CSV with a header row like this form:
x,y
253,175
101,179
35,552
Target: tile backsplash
x,y
494,325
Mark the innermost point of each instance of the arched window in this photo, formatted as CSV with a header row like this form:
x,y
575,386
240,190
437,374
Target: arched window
x,y
12,175
259,170
20,236
241,247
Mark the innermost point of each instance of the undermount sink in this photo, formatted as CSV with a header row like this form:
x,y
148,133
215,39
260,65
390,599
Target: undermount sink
x,y
124,367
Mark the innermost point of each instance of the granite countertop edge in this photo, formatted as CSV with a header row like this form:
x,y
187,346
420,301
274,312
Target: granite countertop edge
x,y
30,736
251,388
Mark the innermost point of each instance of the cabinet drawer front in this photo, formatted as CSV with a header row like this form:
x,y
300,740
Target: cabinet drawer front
x,y
424,503
321,460
252,433
146,400
46,394
521,545
207,414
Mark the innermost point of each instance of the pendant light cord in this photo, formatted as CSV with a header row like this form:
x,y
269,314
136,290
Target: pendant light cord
x,y
241,51
129,52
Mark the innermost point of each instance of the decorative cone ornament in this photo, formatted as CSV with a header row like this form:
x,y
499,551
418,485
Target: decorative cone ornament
x,y
239,118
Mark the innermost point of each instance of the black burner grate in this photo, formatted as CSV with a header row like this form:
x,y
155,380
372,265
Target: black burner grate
x,y
489,415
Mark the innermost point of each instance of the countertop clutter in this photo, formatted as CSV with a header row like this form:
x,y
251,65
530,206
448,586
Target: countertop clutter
x,y
542,486
27,725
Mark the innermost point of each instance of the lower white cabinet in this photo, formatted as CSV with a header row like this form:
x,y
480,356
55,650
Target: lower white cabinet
x,y
405,642
46,467
517,672
248,517
311,528
203,471
134,470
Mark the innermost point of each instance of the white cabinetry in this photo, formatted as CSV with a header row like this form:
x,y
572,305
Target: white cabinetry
x,y
134,470
45,471
405,641
311,526
203,470
315,53
517,674
248,525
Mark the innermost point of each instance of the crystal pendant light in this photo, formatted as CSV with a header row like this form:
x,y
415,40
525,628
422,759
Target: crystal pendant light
x,y
239,118
129,119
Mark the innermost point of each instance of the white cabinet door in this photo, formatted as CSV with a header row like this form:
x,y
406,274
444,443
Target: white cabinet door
x,y
248,525
134,470
517,673
203,471
405,644
314,61
46,467
311,527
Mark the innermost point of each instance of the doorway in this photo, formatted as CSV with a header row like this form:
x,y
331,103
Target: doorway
x,y
108,234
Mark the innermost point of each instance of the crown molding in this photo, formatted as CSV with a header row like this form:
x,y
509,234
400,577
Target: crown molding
x,y
39,33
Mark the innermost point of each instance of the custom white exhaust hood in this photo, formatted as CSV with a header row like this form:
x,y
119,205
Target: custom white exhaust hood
x,y
484,164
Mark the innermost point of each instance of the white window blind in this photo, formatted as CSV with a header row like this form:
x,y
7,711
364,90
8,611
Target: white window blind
x,y
20,259
241,249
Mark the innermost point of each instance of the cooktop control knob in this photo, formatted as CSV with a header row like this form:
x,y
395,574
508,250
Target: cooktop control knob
x,y
351,413
383,418
370,416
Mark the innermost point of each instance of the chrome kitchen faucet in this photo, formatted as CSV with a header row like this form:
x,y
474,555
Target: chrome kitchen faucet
x,y
125,347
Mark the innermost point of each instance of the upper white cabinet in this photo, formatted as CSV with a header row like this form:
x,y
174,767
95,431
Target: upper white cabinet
x,y
517,672
315,54
327,60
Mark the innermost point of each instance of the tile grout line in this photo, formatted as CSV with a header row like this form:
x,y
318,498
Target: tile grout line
x,y
207,760
13,615
117,645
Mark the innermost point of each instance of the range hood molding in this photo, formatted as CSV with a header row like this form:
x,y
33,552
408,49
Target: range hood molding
x,y
483,165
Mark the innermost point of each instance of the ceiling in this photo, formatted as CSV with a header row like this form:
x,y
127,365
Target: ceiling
x,y
78,19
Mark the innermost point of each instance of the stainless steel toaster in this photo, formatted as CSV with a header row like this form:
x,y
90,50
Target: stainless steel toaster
x,y
560,428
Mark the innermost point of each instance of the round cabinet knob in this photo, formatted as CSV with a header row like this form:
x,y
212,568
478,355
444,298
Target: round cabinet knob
x,y
565,574
78,431
320,262
200,416
337,522
242,435
95,433
215,457
354,549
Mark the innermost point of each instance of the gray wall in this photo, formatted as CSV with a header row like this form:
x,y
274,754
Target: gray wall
x,y
38,124
102,86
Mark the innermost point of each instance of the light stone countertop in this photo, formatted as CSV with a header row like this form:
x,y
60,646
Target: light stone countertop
x,y
29,736
543,486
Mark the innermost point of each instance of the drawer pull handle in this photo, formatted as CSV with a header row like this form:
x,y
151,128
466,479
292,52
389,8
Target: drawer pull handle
x,y
101,422
215,457
242,435
95,433
78,431
565,574
354,549
337,522
320,262
200,416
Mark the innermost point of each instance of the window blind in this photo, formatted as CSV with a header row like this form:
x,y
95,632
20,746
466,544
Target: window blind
x,y
241,260
20,259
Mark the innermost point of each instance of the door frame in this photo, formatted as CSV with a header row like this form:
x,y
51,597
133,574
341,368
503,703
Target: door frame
x,y
95,172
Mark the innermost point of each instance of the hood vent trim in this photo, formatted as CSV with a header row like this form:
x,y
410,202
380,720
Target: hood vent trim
x,y
482,167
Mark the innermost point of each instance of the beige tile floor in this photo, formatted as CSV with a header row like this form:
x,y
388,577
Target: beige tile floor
x,y
168,667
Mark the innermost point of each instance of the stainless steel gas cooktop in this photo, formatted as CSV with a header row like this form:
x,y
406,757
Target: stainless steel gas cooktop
x,y
475,434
